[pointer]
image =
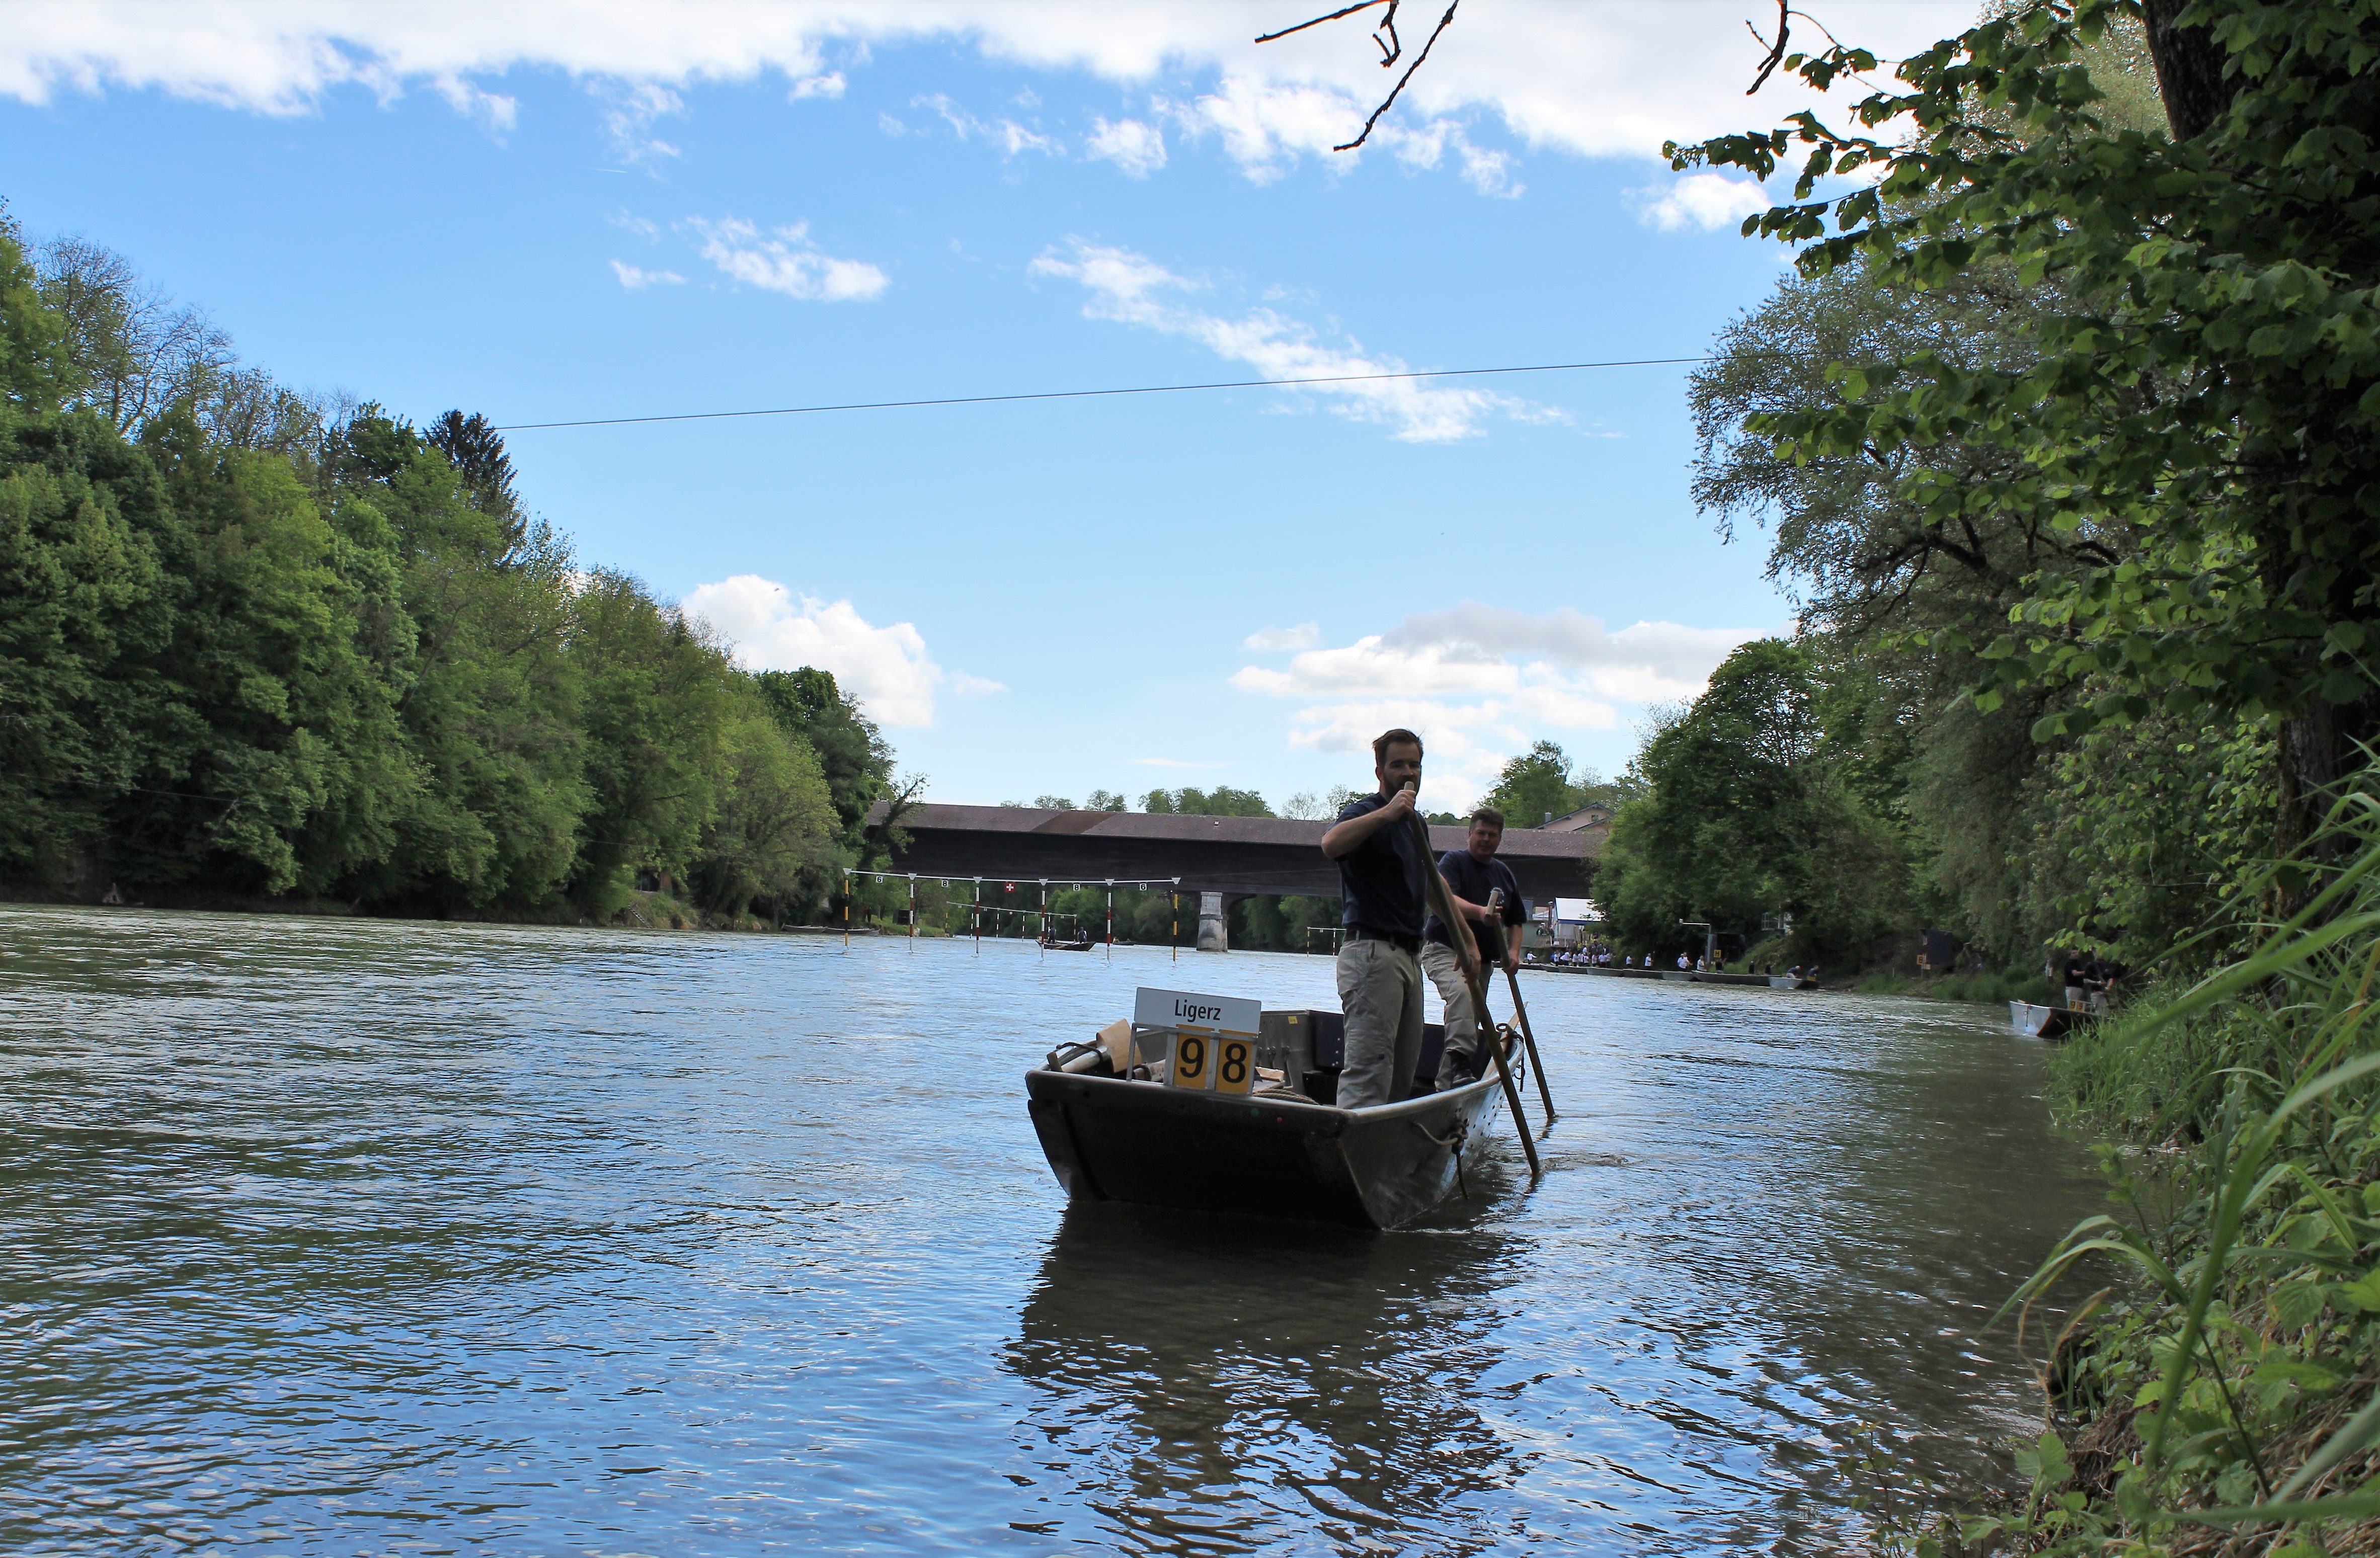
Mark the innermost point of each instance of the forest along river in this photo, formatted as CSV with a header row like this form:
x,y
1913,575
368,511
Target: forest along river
x,y
336,1237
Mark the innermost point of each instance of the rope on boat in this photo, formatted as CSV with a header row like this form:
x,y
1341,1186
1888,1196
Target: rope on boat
x,y
1452,1142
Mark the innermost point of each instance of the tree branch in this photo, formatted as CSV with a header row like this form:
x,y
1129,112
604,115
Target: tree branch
x,y
1391,51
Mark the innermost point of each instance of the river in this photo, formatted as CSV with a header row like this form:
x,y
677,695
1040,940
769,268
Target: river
x,y
345,1235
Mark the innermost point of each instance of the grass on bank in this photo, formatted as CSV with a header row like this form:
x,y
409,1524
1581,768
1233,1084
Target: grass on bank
x,y
2219,1395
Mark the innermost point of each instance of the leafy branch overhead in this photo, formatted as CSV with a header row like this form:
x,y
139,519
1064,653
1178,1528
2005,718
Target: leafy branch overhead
x,y
2204,401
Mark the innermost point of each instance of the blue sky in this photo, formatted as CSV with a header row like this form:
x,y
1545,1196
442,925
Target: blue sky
x,y
556,211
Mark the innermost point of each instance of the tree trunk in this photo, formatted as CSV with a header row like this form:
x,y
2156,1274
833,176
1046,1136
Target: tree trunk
x,y
2189,70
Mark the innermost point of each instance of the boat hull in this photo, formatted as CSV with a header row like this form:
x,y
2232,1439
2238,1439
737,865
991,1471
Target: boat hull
x,y
2047,1023
1111,1139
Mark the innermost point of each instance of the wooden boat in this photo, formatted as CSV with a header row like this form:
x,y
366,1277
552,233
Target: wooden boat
x,y
1070,946
2048,1023
1284,1151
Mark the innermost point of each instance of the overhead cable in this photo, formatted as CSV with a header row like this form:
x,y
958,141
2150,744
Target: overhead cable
x,y
1088,395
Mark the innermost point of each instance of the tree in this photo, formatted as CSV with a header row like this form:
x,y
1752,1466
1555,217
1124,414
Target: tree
x,y
1222,802
851,752
131,350
657,706
2208,390
476,452
1744,816
776,821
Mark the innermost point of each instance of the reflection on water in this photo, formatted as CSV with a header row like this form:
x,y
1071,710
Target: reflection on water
x,y
336,1237
1216,1387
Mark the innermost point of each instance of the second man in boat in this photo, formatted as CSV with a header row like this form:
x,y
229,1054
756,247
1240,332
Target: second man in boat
x,y
1474,875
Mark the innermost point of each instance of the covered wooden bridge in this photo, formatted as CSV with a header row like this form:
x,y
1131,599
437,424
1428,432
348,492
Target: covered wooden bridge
x,y
1220,858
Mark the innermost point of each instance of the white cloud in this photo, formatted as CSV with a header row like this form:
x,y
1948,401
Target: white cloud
x,y
1138,149
1174,762
1304,635
786,260
495,112
968,686
1133,289
1480,682
1707,201
886,668
828,86
1267,126
630,110
1599,81
1012,137
636,278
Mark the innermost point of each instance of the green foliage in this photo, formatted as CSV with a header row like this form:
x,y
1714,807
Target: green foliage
x,y
31,333
2204,388
1222,802
852,752
237,660
1747,818
2243,1354
1541,783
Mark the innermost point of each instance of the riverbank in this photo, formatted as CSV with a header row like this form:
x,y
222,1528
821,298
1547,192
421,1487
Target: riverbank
x,y
638,911
2216,1393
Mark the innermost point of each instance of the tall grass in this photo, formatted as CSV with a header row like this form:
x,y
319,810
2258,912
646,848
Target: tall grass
x,y
2225,1384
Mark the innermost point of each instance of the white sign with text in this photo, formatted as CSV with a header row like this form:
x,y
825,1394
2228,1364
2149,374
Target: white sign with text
x,y
1206,1014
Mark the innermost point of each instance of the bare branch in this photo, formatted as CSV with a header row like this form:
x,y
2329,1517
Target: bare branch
x,y
1418,60
1393,49
1776,53
1317,21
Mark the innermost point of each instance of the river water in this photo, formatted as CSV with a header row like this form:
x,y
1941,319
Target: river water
x,y
344,1236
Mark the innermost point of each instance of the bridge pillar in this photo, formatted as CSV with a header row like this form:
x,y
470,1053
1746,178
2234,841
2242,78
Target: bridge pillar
x,y
1214,925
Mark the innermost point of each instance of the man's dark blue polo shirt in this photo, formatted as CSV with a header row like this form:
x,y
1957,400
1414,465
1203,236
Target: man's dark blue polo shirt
x,y
1472,882
1384,878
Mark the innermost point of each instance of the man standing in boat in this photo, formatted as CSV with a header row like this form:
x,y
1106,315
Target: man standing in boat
x,y
1473,874
1383,877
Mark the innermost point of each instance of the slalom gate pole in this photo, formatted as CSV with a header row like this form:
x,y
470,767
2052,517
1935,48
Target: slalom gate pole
x,y
1111,921
912,911
1176,898
846,911
974,919
1442,899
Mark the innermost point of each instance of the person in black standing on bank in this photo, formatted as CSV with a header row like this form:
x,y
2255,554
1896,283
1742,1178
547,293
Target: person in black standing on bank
x,y
1473,874
1383,876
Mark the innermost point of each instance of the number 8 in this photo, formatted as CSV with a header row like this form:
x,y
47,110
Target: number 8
x,y
1236,1064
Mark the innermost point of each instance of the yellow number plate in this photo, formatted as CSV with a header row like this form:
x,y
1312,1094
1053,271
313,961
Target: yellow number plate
x,y
1226,1062
1193,1060
1235,1065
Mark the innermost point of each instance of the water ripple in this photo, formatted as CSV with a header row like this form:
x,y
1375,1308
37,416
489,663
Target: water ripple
x,y
336,1237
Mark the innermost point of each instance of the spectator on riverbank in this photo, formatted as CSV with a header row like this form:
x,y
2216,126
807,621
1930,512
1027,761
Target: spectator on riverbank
x,y
2077,981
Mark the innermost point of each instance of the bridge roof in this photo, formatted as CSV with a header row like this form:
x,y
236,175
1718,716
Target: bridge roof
x,y
1209,853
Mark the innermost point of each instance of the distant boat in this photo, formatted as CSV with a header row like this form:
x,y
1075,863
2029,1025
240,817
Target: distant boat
x,y
1069,946
2046,1023
1283,1150
1680,977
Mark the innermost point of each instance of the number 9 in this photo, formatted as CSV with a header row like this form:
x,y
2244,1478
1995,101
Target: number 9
x,y
1190,1064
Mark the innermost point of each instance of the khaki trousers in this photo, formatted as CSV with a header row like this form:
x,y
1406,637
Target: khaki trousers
x,y
1379,991
1445,970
